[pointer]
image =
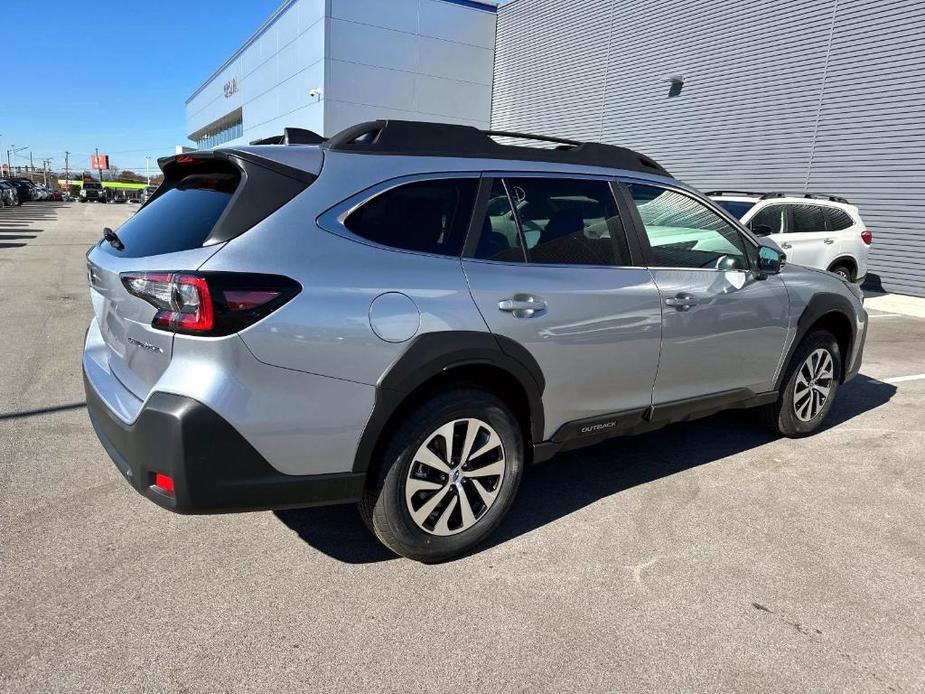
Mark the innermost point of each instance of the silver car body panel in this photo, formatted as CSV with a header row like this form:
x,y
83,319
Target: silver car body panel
x,y
731,338
300,423
597,341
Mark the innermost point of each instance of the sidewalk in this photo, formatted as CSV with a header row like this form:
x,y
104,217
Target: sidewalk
x,y
899,304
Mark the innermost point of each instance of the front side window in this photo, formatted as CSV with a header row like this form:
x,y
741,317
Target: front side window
x,y
807,218
773,217
555,221
425,216
685,233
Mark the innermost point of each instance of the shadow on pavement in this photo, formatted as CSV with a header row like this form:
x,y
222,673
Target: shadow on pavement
x,y
575,479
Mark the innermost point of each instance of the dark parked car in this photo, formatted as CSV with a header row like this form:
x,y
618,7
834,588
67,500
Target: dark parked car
x,y
9,195
24,188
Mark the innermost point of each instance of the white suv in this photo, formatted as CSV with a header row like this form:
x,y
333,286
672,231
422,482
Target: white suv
x,y
821,231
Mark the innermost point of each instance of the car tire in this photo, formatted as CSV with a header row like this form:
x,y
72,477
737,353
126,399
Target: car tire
x,y
810,385
844,272
429,514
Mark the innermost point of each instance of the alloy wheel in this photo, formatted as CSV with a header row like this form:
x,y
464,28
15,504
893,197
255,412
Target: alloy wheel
x,y
455,477
814,385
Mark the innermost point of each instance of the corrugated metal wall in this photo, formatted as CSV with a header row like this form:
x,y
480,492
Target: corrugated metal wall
x,y
820,95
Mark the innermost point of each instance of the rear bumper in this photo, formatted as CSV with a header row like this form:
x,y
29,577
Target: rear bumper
x,y
214,469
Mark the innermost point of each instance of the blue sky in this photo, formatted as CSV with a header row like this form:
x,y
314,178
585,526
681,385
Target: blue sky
x,y
111,75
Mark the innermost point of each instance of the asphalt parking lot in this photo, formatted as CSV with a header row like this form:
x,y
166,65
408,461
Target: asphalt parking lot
x,y
706,556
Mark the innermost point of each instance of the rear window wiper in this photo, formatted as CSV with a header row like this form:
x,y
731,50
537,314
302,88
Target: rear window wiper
x,y
113,239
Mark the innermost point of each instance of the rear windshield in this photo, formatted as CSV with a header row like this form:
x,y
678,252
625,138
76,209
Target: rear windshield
x,y
736,209
179,219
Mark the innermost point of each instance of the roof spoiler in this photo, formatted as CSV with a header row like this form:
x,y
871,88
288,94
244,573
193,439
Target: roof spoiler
x,y
292,136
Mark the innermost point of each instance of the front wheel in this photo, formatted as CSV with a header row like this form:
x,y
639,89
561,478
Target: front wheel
x,y
448,476
809,387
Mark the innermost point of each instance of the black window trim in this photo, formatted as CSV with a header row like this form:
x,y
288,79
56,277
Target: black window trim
x,y
333,219
481,208
639,229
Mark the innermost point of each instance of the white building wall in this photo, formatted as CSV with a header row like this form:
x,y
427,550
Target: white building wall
x,y
408,59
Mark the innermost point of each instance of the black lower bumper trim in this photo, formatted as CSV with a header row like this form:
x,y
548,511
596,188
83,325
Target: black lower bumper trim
x,y
214,469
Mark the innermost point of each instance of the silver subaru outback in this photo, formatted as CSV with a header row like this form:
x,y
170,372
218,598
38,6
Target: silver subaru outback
x,y
406,315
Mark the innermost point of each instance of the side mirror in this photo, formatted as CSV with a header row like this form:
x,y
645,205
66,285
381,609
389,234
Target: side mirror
x,y
762,230
770,260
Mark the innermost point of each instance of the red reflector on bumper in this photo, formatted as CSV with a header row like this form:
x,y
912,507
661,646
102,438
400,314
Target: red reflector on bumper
x,y
164,483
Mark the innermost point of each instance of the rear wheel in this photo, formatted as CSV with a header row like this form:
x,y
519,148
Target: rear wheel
x,y
844,272
809,387
447,478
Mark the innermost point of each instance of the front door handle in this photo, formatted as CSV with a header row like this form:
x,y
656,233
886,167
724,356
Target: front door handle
x,y
786,245
522,305
682,302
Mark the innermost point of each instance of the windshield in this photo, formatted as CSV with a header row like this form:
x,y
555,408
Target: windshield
x,y
92,186
735,208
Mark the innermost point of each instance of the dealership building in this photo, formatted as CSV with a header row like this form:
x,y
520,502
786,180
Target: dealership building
x,y
796,95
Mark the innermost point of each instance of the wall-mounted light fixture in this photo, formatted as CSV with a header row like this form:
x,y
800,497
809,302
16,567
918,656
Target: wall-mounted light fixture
x,y
677,84
315,94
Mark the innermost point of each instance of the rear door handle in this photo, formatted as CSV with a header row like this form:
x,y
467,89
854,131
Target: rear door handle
x,y
682,302
830,241
522,305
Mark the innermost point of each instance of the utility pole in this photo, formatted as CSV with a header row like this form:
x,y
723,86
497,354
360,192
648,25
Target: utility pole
x,y
67,178
13,151
99,168
31,163
147,171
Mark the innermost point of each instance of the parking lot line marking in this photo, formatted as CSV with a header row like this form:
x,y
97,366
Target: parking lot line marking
x,y
903,379
884,315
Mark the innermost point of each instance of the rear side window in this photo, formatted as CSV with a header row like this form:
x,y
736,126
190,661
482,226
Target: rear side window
x,y
837,220
178,220
425,216
807,218
555,221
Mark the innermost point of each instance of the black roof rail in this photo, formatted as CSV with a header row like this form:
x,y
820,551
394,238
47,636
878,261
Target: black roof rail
x,y
292,136
808,196
733,192
414,138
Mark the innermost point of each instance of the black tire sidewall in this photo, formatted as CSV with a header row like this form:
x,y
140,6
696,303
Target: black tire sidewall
x,y
390,517
788,423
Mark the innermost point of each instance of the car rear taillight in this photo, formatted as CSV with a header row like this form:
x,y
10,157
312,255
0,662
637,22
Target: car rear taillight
x,y
867,237
209,303
164,483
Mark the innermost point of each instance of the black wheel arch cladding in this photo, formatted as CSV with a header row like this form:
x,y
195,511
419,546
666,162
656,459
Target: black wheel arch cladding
x,y
433,354
825,310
